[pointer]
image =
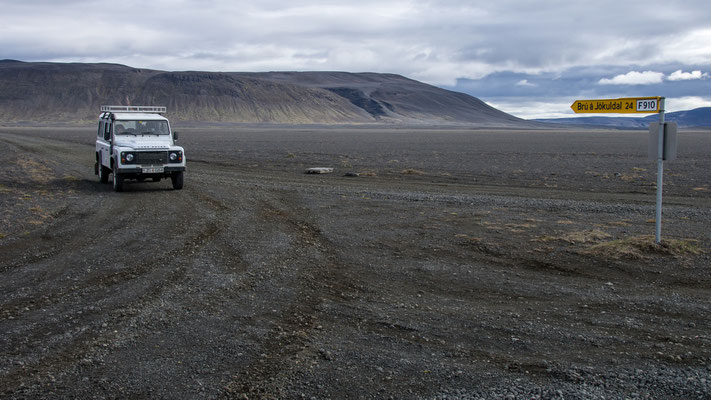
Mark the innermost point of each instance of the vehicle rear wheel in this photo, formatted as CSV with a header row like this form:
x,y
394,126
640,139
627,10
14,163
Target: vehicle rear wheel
x,y
118,180
177,178
103,174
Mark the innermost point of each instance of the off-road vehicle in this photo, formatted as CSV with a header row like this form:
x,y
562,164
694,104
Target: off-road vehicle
x,y
135,142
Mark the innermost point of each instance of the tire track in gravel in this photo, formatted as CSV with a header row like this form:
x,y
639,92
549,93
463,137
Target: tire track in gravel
x,y
187,321
65,244
46,282
320,273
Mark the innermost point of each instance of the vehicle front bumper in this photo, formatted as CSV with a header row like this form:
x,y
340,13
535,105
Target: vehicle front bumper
x,y
137,170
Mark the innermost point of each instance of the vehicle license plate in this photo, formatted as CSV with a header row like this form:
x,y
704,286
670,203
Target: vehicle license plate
x,y
152,170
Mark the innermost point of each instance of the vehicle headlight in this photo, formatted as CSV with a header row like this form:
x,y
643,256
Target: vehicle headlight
x,y
175,156
127,157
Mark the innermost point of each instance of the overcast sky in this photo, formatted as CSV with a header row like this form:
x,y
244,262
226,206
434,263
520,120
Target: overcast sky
x,y
529,58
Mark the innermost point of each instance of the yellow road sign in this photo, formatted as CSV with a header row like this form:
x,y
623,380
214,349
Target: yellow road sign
x,y
618,106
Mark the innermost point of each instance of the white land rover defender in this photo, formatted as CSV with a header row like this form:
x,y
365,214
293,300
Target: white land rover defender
x,y
135,142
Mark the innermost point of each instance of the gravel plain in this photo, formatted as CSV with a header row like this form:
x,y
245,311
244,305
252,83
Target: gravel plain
x,y
431,264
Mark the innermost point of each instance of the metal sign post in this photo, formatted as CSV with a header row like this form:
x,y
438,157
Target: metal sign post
x,y
660,174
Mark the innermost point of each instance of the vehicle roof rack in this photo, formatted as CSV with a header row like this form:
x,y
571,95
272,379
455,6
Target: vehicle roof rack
x,y
134,109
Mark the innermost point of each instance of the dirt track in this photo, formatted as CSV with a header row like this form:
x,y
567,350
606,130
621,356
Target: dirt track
x,y
458,265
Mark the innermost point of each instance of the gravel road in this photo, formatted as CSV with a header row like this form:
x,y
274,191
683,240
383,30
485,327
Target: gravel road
x,y
457,265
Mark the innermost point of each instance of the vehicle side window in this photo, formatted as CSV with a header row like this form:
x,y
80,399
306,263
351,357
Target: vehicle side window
x,y
101,129
107,131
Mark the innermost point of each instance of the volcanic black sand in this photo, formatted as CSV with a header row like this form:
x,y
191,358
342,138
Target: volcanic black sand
x,y
456,264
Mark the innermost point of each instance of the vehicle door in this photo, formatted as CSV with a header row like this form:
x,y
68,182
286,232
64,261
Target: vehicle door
x,y
103,142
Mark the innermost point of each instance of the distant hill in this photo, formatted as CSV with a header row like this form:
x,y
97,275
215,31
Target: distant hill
x,y
47,92
696,118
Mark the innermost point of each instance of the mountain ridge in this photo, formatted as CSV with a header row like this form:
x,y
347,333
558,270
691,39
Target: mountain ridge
x,y
73,92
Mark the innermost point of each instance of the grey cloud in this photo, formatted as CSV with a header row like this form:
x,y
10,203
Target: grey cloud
x,y
558,89
506,35
558,46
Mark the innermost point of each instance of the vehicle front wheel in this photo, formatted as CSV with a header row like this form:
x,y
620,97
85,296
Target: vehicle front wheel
x,y
118,180
177,179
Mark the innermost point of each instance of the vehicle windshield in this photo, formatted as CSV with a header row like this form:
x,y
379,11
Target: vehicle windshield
x,y
141,127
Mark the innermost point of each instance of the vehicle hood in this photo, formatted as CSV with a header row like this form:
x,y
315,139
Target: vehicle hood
x,y
144,142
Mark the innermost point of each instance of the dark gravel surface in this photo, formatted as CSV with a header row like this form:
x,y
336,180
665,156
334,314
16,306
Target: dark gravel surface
x,y
455,265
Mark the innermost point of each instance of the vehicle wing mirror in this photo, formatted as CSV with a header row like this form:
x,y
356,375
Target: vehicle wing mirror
x,y
175,136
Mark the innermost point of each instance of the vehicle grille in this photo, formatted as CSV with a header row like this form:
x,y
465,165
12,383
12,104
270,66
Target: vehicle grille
x,y
151,157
